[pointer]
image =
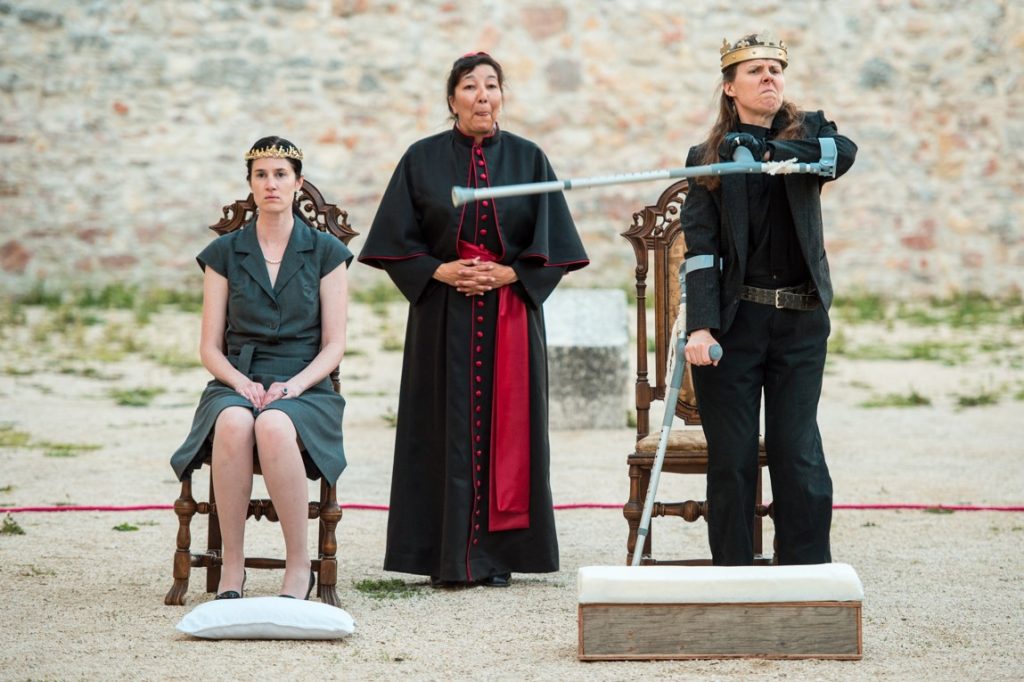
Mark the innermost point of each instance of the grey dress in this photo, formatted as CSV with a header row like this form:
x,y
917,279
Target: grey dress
x,y
272,334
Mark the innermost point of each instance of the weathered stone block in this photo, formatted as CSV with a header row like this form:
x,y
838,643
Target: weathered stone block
x,y
588,374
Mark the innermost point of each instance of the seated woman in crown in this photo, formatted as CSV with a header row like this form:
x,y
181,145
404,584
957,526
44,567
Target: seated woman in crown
x,y
273,329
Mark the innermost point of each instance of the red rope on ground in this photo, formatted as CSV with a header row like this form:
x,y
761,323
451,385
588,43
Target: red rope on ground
x,y
559,507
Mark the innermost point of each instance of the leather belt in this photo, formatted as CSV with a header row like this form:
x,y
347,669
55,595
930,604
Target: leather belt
x,y
801,297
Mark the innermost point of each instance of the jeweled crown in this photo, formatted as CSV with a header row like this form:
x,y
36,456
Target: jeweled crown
x,y
754,46
274,152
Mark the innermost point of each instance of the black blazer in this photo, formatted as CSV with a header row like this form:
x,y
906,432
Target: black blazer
x,y
717,223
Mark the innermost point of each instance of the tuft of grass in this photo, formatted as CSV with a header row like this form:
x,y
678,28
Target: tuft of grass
x,y
965,310
40,295
938,510
134,397
11,527
912,399
6,489
125,527
391,588
379,293
12,438
860,308
64,449
983,398
89,373
390,417
174,359
392,344
33,572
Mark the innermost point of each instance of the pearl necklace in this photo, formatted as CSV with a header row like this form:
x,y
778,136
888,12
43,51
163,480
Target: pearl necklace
x,y
273,262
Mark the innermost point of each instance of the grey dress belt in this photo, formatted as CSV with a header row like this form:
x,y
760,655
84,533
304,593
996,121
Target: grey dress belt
x,y
802,297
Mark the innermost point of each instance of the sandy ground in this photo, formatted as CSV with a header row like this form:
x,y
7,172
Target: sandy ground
x,y
944,591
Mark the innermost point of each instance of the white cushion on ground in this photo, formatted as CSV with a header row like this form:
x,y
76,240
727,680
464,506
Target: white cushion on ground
x,y
717,584
267,618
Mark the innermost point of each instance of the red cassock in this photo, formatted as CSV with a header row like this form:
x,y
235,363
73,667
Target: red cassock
x,y
470,492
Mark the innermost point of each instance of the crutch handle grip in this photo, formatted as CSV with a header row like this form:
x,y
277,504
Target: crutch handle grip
x,y
715,352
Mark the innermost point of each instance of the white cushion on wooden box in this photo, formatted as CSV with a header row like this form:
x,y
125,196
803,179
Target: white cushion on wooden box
x,y
717,584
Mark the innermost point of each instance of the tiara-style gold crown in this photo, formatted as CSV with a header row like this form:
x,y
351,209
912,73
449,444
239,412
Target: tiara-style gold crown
x,y
275,152
755,46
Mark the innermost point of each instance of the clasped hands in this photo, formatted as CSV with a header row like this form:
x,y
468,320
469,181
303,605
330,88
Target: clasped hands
x,y
474,277
260,397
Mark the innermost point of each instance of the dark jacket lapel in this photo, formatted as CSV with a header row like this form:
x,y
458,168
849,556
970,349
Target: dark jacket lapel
x,y
253,261
803,191
301,240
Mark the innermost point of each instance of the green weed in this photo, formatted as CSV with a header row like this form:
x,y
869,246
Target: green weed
x,y
125,527
64,449
174,359
12,438
6,489
938,510
11,527
860,308
89,373
34,572
959,311
134,397
392,344
912,399
392,588
381,292
983,398
40,295
390,417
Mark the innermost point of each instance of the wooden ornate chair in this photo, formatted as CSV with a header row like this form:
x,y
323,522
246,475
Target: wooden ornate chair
x,y
328,218
658,242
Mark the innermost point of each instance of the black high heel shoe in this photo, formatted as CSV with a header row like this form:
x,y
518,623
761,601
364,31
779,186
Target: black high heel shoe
x,y
232,594
312,583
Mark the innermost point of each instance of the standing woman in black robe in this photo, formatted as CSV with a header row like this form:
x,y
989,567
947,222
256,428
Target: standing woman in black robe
x,y
470,495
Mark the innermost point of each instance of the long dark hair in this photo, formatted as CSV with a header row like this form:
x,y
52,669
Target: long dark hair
x,y
273,141
465,64
788,121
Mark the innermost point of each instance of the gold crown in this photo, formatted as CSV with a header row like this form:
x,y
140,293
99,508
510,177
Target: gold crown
x,y
755,46
275,152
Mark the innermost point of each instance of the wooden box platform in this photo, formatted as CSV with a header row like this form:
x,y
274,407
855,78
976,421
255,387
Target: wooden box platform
x,y
667,612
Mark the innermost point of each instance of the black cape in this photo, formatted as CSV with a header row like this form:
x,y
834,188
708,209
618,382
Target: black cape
x,y
438,523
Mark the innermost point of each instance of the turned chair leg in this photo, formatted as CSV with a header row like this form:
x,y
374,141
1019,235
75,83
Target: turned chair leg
x,y
185,508
214,544
330,516
639,478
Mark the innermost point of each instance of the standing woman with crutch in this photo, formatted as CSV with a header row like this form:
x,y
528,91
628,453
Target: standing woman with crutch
x,y
757,282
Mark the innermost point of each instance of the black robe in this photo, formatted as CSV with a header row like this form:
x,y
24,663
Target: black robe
x,y
440,490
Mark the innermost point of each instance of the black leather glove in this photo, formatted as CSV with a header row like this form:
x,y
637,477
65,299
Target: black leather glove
x,y
756,146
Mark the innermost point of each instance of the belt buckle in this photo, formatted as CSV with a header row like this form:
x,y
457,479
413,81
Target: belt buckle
x,y
778,300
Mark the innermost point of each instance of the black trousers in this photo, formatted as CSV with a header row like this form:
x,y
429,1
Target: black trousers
x,y
782,353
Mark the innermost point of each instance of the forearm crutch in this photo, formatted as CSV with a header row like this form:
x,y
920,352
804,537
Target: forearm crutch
x,y
674,385
743,162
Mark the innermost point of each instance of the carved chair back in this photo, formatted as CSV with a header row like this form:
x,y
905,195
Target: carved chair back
x,y
659,247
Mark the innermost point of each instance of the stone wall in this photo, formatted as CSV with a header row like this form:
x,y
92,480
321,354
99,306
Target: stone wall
x,y
122,124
